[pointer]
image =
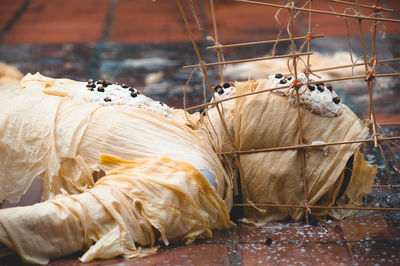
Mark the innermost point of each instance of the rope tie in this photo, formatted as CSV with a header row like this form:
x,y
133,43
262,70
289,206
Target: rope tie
x,y
310,37
377,8
234,153
202,64
217,45
372,61
294,83
308,206
369,76
307,70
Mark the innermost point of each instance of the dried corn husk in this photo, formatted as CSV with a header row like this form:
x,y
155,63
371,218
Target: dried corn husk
x,y
154,183
126,211
268,120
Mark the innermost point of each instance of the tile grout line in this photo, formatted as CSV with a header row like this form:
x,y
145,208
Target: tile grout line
x,y
348,246
232,244
94,71
17,14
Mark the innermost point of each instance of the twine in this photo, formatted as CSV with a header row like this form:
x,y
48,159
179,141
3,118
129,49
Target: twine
x,y
218,46
307,205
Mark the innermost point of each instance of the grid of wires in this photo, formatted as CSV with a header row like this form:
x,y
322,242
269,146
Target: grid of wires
x,y
371,63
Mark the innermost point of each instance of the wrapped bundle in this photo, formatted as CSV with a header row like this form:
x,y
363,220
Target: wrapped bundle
x,y
59,129
137,202
270,120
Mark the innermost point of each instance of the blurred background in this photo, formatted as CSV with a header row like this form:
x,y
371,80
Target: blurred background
x,y
144,43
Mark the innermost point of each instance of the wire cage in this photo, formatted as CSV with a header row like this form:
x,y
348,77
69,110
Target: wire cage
x,y
385,145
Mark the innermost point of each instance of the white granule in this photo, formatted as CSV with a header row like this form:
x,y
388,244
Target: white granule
x,y
117,95
318,102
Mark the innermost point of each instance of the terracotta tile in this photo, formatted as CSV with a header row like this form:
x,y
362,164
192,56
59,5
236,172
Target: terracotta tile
x,y
219,237
377,252
365,226
206,254
290,233
295,254
196,254
332,26
385,118
394,228
7,10
149,21
59,21
245,22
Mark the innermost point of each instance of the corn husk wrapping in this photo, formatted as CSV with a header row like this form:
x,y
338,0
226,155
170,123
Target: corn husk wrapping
x,y
268,120
126,211
46,130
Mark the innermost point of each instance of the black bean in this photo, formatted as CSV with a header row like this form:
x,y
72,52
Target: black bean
x,y
226,85
107,99
268,241
217,88
134,94
329,87
278,76
100,89
311,87
106,83
283,81
336,99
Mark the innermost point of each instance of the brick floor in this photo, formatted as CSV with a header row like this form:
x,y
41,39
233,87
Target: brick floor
x,y
7,10
149,21
65,21
364,239
59,21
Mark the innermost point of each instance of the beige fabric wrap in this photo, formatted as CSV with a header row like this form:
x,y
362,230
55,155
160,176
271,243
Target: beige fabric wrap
x,y
268,120
45,129
136,202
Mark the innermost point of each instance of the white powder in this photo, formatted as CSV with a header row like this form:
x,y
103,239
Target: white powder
x,y
117,95
318,102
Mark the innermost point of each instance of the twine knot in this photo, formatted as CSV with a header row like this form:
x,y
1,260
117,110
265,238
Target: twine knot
x,y
308,206
309,37
377,8
369,76
294,84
